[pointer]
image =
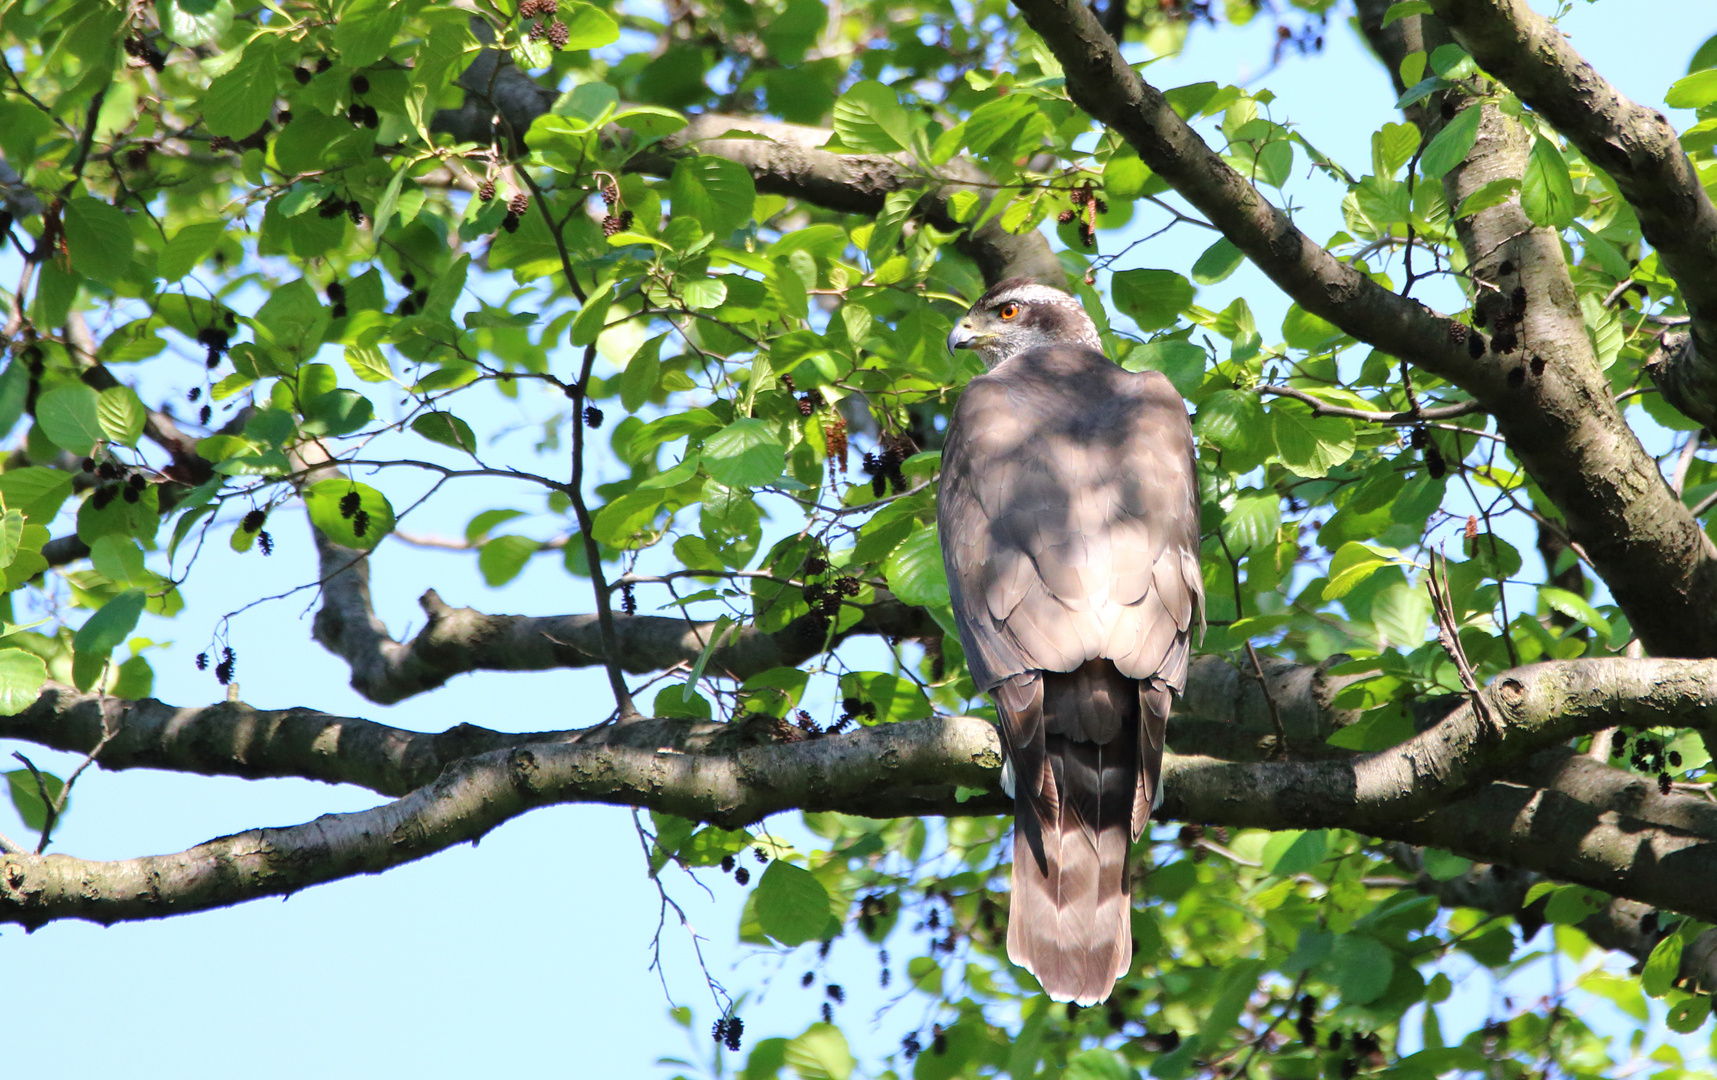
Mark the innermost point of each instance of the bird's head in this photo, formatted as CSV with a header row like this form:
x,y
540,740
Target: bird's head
x,y
1020,314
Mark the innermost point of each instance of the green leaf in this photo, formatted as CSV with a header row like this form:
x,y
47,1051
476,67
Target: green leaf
x,y
365,29
338,412
870,118
98,236
1152,298
1182,361
118,559
386,204
70,417
1310,445
792,905
744,454
1392,146
1379,729
1405,8
1233,419
189,247
1218,261
1688,1016
626,521
194,22
715,192
1098,1063
446,429
587,27
1354,563
35,490
1401,612
120,413
240,101
1695,91
368,363
1662,966
1547,191
27,796
1361,967
1451,145
1303,330
11,535
821,1053
1443,865
292,320
1492,194
915,572
641,375
1253,523
896,699
323,502
21,677
718,635
502,558
652,121
1292,852
111,624
1575,607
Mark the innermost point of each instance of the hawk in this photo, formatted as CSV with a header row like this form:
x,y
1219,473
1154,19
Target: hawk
x,y
1068,512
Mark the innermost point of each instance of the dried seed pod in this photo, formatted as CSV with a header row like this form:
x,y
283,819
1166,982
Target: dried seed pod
x,y
486,190
520,202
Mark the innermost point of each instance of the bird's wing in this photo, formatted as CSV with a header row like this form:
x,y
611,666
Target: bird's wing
x,y
1068,513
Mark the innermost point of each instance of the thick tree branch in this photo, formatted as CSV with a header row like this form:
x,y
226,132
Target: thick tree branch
x,y
788,159
1596,834
1636,146
1559,417
1101,82
476,794
1223,710
460,640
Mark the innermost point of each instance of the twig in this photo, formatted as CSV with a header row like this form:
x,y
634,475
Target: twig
x,y
1683,462
1281,749
1437,584
1411,416
592,551
51,811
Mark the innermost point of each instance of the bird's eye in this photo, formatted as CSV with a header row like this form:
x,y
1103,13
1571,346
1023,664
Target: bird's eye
x,y
1009,310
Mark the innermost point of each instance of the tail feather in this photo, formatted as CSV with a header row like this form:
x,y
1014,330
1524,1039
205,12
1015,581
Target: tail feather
x,y
1070,924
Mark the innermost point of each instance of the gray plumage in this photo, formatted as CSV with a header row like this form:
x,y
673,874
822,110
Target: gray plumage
x,y
1068,513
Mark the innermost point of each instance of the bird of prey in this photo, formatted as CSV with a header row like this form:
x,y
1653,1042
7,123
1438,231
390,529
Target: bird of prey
x,y
1068,513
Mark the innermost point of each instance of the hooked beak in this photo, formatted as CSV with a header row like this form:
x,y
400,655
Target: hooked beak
x,y
963,336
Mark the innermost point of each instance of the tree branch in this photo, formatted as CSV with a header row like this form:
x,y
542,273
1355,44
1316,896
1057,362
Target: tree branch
x,y
1600,834
1636,146
788,159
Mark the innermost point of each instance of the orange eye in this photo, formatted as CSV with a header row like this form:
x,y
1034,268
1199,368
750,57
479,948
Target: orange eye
x,y
1009,310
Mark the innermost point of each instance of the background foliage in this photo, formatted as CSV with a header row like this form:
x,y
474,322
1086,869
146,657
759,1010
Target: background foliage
x,y
266,275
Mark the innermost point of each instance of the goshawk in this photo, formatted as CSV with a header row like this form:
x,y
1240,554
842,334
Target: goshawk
x,y
1069,521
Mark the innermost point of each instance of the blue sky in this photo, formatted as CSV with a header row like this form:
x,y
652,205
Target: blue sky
x,y
530,952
